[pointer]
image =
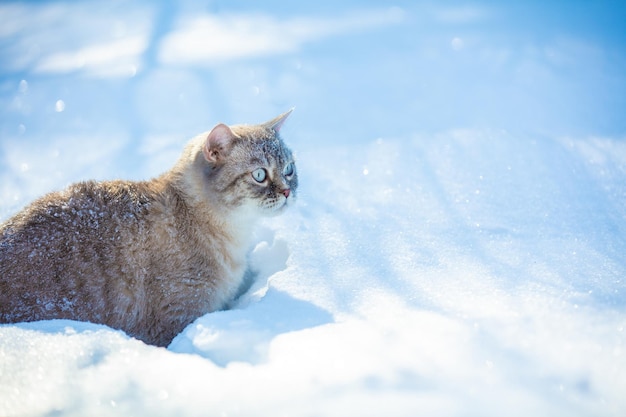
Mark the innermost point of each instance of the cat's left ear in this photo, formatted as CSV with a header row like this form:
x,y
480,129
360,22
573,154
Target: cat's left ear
x,y
218,143
277,123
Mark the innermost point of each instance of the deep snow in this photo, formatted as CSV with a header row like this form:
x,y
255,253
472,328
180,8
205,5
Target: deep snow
x,y
458,244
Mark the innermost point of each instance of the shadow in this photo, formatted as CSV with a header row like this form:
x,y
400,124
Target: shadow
x,y
245,335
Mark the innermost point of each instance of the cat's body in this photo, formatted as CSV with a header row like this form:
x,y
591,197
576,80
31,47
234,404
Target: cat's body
x,y
148,257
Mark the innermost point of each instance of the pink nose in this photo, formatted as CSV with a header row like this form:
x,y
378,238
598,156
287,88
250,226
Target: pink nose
x,y
286,192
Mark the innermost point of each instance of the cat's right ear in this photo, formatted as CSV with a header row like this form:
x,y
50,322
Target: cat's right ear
x,y
218,143
277,123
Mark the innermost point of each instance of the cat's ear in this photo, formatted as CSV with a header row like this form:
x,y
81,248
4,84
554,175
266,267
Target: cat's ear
x,y
277,123
218,143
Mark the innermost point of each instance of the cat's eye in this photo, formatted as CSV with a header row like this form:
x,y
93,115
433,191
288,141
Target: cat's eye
x,y
288,170
259,175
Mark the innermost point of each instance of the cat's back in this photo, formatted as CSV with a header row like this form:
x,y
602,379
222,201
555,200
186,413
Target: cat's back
x,y
83,211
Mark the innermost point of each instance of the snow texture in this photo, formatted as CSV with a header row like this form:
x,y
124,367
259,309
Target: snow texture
x,y
458,246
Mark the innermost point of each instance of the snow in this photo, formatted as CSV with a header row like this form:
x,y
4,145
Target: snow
x,y
458,244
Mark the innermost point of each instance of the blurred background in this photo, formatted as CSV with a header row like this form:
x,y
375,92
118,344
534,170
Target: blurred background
x,y
104,89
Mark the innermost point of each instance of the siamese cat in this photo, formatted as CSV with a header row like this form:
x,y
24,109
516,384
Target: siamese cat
x,y
148,257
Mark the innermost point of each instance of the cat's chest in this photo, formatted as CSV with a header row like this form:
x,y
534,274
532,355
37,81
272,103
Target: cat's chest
x,y
197,251
203,277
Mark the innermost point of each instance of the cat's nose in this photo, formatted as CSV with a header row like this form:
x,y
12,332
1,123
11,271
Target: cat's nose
x,y
286,192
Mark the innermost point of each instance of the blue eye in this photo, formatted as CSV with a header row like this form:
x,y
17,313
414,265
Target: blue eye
x,y
288,170
259,175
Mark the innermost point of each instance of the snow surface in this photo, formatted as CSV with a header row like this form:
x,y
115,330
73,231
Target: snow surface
x,y
458,247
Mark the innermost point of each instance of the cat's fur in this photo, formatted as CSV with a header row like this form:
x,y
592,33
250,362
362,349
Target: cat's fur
x,y
147,257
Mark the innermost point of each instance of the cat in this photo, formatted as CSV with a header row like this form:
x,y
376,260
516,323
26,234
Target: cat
x,y
148,257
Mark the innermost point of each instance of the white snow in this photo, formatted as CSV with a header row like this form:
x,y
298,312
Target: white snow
x,y
458,246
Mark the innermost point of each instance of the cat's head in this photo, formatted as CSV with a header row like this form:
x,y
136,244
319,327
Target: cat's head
x,y
250,166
